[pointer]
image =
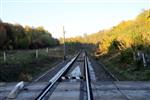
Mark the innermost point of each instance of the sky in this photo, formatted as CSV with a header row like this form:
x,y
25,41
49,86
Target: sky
x,y
77,16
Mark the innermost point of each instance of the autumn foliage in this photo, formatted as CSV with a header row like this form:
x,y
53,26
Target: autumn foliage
x,y
133,34
15,36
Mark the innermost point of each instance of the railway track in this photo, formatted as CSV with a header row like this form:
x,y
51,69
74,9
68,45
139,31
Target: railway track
x,y
106,75
71,73
77,71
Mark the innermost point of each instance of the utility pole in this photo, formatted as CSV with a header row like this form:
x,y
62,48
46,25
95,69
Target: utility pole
x,y
64,44
1,20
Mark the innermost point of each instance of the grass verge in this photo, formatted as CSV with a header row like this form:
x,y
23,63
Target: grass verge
x,y
122,65
22,64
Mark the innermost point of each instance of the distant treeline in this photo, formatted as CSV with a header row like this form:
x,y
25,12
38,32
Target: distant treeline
x,y
15,36
134,34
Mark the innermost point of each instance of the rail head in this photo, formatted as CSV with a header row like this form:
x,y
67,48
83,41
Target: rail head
x,y
87,78
112,75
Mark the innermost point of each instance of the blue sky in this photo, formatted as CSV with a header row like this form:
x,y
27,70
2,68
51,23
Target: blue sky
x,y
78,16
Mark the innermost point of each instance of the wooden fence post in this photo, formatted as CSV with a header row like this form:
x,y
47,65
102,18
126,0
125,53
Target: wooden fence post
x,y
4,56
138,54
47,50
144,60
36,53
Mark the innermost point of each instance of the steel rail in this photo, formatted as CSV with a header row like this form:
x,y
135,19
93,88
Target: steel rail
x,y
87,78
115,79
108,72
55,79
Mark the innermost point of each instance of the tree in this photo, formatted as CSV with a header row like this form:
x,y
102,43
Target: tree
x,y
3,35
15,36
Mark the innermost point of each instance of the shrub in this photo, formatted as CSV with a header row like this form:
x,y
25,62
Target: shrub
x,y
23,43
126,56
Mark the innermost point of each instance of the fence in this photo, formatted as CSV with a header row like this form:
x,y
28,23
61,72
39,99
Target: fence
x,y
143,57
21,55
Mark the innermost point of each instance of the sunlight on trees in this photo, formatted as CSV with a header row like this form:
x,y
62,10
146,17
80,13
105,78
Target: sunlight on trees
x,y
127,34
15,36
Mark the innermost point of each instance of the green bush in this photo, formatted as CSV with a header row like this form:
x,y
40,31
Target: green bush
x,y
126,56
23,43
